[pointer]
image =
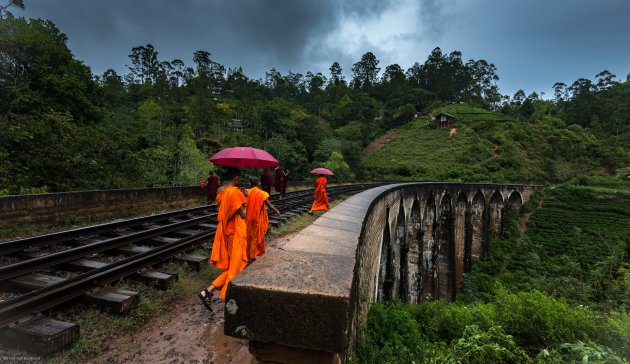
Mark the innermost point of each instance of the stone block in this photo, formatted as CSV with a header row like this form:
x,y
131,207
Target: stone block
x,y
294,299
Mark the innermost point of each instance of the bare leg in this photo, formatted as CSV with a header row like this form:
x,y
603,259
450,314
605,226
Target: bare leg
x,y
210,291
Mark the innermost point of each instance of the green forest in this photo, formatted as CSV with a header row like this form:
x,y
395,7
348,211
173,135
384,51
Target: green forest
x,y
64,128
556,291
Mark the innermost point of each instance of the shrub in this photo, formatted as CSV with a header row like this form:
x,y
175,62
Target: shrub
x,y
491,346
391,335
537,320
579,352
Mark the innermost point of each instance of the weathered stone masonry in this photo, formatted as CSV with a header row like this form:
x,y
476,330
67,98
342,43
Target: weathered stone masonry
x,y
44,208
408,241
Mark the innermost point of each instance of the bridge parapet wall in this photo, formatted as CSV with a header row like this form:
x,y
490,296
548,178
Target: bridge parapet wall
x,y
46,207
409,241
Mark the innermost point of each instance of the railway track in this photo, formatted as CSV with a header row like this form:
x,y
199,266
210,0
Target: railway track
x,y
41,272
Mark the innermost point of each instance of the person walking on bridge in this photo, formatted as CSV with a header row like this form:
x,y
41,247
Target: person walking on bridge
x,y
282,178
321,198
229,249
257,219
212,184
266,180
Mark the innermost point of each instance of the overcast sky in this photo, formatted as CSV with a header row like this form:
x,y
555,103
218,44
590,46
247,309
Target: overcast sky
x,y
533,43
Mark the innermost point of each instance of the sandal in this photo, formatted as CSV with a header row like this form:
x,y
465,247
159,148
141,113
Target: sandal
x,y
204,299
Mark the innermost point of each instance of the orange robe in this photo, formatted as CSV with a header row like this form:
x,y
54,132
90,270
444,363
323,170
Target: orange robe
x,y
321,198
229,250
257,221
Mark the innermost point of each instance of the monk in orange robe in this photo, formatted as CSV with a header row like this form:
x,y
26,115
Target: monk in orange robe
x,y
257,219
321,198
229,250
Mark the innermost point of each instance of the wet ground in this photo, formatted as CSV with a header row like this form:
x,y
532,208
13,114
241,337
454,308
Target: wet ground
x,y
188,334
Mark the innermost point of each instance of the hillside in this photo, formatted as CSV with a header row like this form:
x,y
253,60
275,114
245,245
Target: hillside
x,y
493,147
577,244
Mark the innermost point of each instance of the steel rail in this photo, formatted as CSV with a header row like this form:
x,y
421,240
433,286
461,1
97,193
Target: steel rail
x,y
14,246
50,296
19,268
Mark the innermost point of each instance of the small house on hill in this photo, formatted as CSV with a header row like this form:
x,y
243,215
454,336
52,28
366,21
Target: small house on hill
x,y
444,121
236,125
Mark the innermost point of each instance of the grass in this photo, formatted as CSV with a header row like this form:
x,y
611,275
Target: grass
x,y
292,225
301,221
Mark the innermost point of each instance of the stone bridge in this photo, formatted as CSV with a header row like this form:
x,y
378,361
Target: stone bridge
x,y
411,241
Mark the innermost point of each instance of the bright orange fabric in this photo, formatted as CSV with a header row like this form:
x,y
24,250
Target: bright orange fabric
x,y
257,221
321,198
229,249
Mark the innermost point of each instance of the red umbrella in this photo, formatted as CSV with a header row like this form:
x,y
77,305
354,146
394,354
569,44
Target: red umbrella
x,y
240,157
321,170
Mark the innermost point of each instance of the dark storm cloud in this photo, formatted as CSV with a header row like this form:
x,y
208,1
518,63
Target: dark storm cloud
x,y
257,35
538,42
365,8
435,15
533,43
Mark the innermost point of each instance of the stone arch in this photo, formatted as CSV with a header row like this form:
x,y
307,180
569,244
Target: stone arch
x,y
477,221
386,274
495,214
444,242
414,257
459,238
429,248
401,286
515,201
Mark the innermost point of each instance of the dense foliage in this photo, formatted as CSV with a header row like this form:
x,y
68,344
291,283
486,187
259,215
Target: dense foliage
x,y
63,128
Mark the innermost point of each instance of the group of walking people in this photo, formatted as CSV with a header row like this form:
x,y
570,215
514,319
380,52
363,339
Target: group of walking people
x,y
240,234
243,222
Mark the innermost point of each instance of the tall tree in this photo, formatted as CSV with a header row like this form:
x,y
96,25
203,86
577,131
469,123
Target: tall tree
x,y
519,97
559,91
336,77
113,88
482,83
39,73
144,64
365,72
605,80
394,75
315,82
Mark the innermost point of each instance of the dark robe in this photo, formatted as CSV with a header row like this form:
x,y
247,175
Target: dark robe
x,y
266,181
212,186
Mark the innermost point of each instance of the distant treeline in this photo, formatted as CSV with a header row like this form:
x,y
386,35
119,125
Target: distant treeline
x,y
63,128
